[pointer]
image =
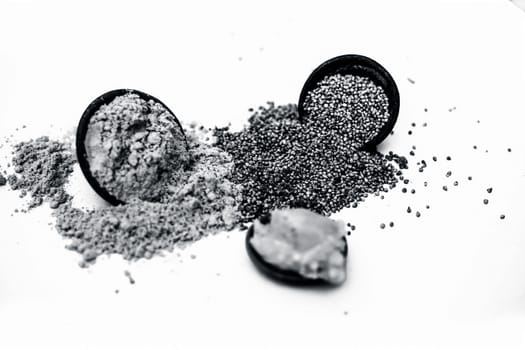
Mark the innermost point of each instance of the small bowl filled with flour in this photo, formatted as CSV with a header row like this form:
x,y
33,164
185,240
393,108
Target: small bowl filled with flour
x,y
130,146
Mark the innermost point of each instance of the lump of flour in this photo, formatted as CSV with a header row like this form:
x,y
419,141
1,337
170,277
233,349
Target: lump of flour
x,y
135,148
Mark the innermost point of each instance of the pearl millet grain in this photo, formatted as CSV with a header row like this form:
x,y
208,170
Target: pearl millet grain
x,y
348,105
282,161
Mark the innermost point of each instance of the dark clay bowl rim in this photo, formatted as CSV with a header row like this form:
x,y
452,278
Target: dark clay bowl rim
x,y
283,275
82,129
361,66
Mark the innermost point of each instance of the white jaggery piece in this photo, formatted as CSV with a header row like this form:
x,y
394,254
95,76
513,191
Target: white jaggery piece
x,y
305,242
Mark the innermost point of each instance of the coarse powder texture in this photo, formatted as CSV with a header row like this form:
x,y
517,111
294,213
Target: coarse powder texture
x,y
283,162
135,148
200,202
353,107
42,168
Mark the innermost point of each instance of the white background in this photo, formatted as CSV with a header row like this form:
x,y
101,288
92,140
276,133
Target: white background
x,y
453,278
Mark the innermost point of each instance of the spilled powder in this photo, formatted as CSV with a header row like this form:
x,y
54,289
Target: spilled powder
x,y
201,202
42,168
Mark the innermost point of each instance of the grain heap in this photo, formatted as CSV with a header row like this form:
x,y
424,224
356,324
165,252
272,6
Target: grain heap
x,y
282,161
353,108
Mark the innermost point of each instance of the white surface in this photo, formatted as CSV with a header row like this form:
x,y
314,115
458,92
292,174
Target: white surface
x,y
519,3
454,278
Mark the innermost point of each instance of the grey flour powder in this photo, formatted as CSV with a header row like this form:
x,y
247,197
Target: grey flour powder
x,y
135,148
42,168
198,202
201,201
